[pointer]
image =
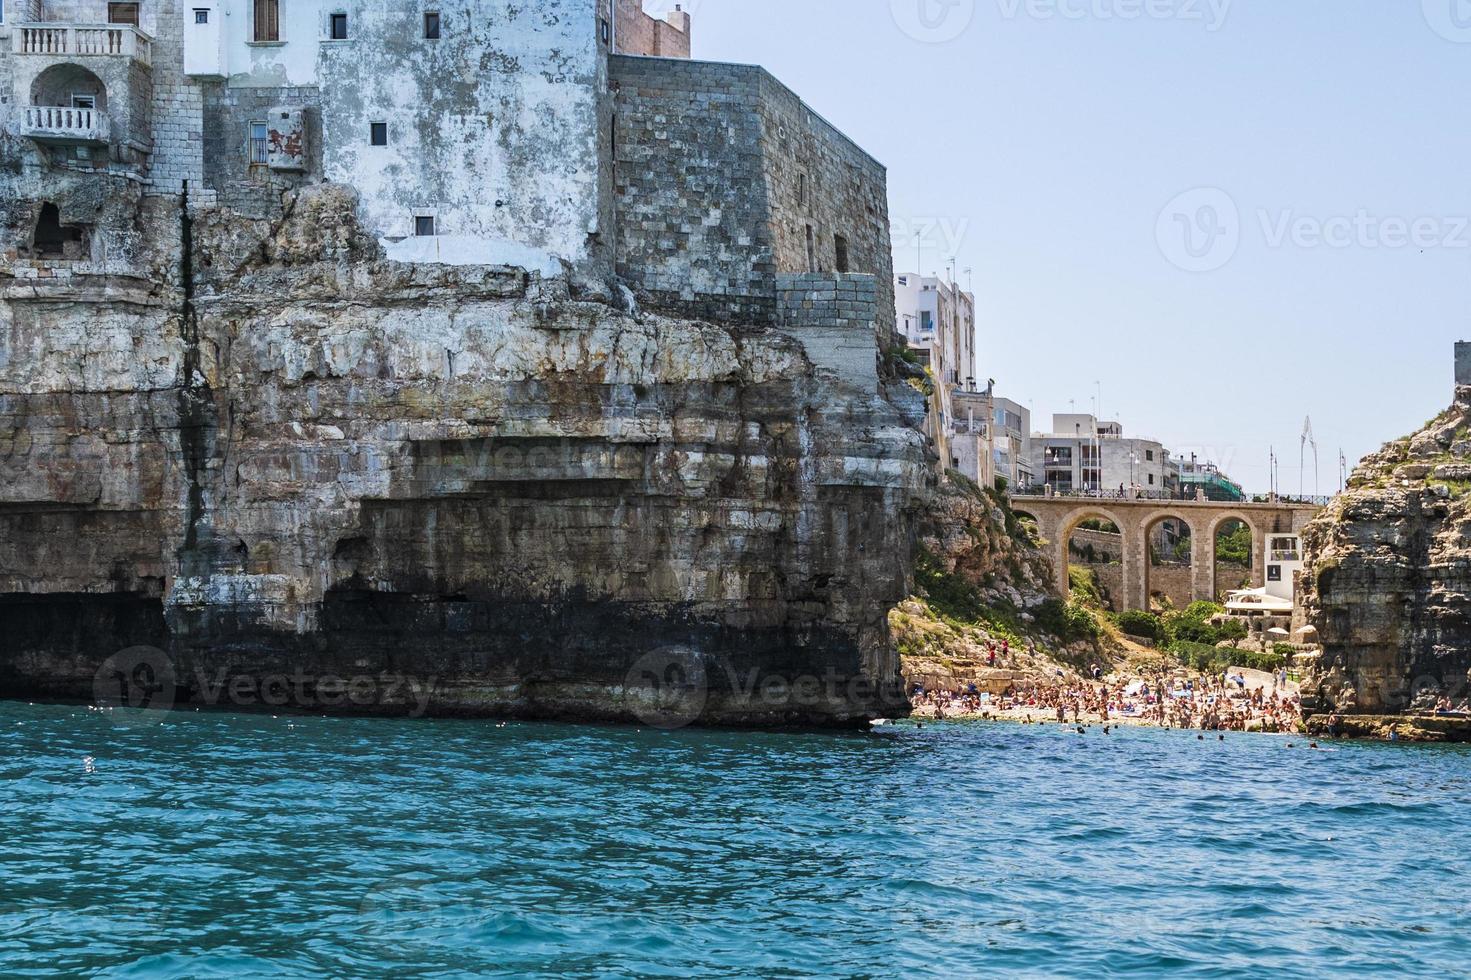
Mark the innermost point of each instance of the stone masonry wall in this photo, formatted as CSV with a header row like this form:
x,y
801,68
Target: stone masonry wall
x,y
254,190
178,113
833,316
689,194
718,172
818,178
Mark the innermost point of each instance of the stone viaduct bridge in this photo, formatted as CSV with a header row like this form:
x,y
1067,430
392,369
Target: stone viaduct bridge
x,y
1058,516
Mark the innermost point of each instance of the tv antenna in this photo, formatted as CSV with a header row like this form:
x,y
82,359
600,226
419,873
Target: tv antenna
x,y
1308,439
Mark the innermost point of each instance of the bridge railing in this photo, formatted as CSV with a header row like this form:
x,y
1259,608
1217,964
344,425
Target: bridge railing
x,y
1162,495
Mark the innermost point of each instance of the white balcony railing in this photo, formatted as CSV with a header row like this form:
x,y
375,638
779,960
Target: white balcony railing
x,y
117,40
64,124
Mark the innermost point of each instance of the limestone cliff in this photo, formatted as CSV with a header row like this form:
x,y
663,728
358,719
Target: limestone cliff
x,y
1388,583
981,582
278,455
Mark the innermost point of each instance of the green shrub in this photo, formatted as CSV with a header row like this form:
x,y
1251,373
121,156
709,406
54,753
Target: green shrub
x,y
1213,660
1068,621
1083,583
948,594
1137,623
1193,625
1234,546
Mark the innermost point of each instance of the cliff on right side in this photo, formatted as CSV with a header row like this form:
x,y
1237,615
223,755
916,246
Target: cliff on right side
x,y
1388,587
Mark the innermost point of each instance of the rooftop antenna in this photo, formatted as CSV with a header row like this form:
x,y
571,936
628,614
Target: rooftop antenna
x,y
1308,439
1342,470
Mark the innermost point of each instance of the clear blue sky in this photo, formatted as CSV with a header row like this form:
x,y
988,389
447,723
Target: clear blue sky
x,y
1047,148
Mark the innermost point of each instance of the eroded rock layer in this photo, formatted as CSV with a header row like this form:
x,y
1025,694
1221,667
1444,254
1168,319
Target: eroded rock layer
x,y
1388,583
282,457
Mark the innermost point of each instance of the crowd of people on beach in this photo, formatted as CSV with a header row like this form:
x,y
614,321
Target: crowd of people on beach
x,y
1215,703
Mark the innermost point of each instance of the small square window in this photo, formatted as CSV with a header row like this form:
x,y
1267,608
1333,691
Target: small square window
x,y
431,25
339,27
84,101
424,226
378,135
201,16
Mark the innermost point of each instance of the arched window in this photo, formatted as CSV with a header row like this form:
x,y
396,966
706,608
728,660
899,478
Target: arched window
x,y
268,20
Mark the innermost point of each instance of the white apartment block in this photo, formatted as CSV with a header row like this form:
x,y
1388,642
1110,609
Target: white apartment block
x,y
938,319
1082,453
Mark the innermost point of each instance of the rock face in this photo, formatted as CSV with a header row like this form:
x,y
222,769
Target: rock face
x,y
463,489
1388,583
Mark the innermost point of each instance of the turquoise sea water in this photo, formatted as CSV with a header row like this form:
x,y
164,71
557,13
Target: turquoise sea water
x,y
229,845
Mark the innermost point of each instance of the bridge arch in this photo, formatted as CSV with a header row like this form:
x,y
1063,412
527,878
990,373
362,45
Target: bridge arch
x,y
1180,593
1256,578
1058,517
1063,536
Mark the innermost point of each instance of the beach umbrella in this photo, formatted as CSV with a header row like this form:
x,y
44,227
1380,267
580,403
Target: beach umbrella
x,y
1308,631
1278,631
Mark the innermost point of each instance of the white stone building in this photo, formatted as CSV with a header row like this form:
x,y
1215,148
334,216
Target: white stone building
x,y
473,131
938,319
1082,453
1011,439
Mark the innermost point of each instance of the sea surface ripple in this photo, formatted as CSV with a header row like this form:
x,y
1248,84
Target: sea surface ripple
x,y
213,845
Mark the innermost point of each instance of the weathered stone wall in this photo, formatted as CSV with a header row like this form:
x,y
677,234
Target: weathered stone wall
x,y
833,317
492,128
719,172
178,111
690,197
816,177
254,190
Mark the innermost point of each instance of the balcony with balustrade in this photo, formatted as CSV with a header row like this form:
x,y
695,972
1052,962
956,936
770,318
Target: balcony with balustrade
x,y
65,125
71,41
83,85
